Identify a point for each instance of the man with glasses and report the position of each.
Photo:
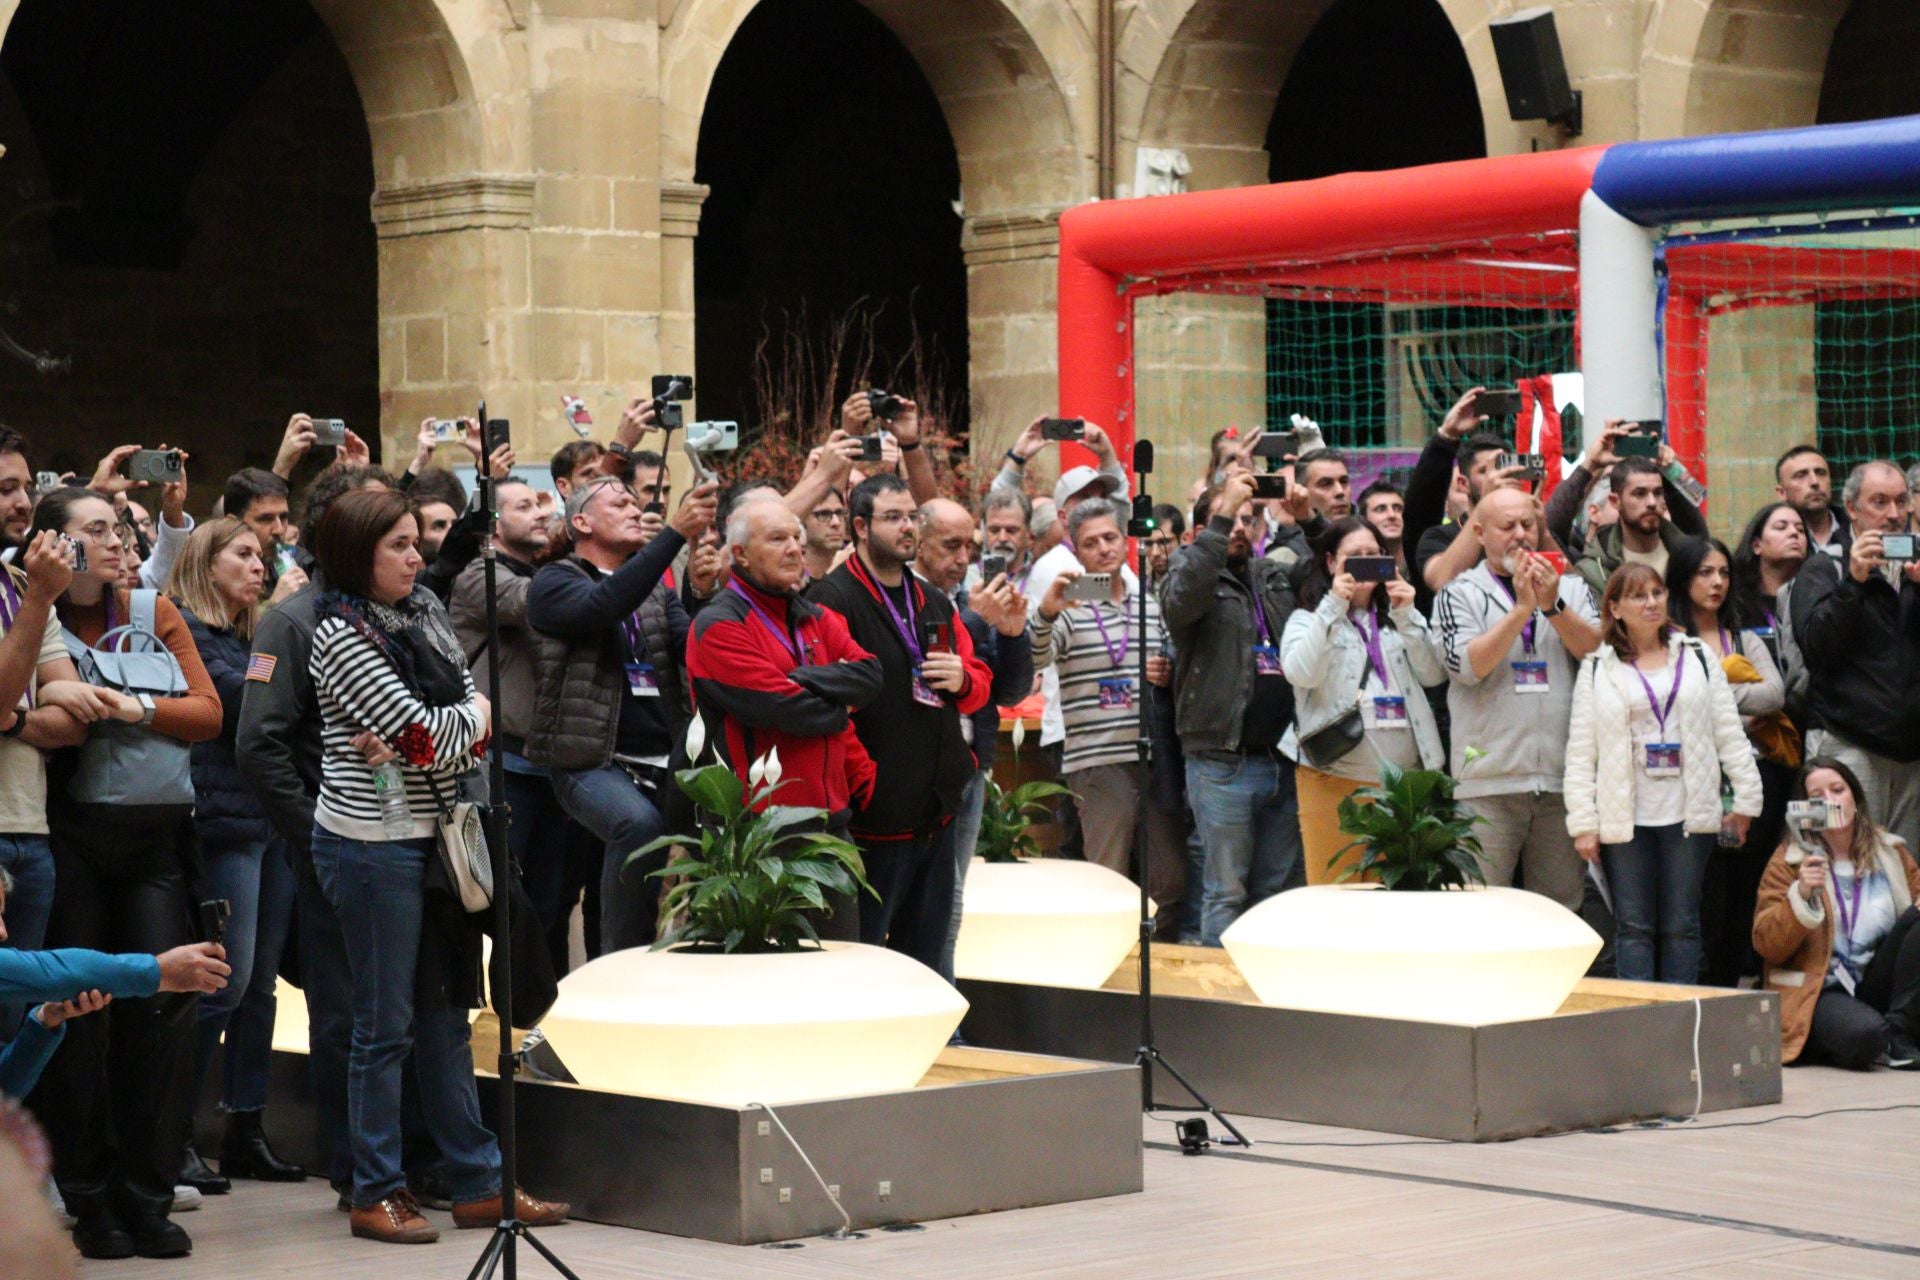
(826, 527)
(1862, 650)
(1169, 535)
(609, 707)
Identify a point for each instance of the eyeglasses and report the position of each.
(890, 517)
(1646, 599)
(829, 515)
(99, 532)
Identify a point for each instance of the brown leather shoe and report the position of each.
(395, 1220)
(475, 1214)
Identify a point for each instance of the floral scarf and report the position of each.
(414, 636)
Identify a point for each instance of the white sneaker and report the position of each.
(185, 1198)
(67, 1220)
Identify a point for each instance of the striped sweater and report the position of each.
(358, 689)
(1073, 644)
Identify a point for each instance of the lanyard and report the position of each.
(1119, 653)
(1773, 620)
(1526, 632)
(1726, 650)
(636, 646)
(9, 601)
(1850, 911)
(909, 634)
(787, 641)
(1660, 713)
(1259, 614)
(1370, 636)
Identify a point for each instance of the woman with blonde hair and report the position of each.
(216, 582)
(1654, 729)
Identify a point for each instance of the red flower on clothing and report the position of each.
(415, 746)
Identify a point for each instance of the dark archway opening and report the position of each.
(185, 197)
(1870, 65)
(1377, 84)
(833, 180)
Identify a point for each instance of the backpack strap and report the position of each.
(142, 606)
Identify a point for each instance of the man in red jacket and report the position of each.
(772, 672)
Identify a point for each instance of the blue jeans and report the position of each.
(256, 879)
(960, 837)
(1249, 819)
(610, 804)
(1655, 879)
(1192, 915)
(378, 890)
(329, 990)
(914, 879)
(29, 860)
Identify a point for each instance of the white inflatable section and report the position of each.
(1051, 921)
(1469, 956)
(733, 1030)
(1619, 305)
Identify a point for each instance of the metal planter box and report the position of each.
(1616, 1051)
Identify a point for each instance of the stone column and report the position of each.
(1012, 330)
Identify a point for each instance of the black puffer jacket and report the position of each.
(224, 810)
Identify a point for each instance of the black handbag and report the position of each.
(1332, 743)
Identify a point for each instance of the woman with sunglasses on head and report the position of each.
(118, 1097)
(1654, 727)
(1835, 928)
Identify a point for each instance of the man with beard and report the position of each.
(930, 680)
(1803, 480)
(1642, 535)
(1512, 633)
(1225, 610)
(1006, 527)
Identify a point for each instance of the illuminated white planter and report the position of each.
(733, 1030)
(1056, 922)
(1472, 956)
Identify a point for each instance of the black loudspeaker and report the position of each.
(1527, 46)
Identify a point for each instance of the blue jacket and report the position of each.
(225, 810)
(60, 975)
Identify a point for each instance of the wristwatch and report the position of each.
(146, 707)
(1016, 459)
(18, 726)
(1559, 607)
(615, 447)
(909, 448)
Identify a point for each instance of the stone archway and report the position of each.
(1024, 153)
(1721, 66)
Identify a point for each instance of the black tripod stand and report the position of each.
(500, 1251)
(1147, 1055)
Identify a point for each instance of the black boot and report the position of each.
(195, 1173)
(99, 1233)
(153, 1235)
(245, 1154)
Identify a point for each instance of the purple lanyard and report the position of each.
(1526, 632)
(9, 601)
(1260, 618)
(766, 620)
(1773, 620)
(1370, 636)
(1025, 578)
(1850, 911)
(1726, 650)
(909, 635)
(1118, 654)
(1660, 713)
(630, 627)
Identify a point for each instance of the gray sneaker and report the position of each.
(185, 1198)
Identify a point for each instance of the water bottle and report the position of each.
(391, 786)
(1728, 838)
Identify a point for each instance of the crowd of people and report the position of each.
(229, 745)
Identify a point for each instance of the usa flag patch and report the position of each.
(261, 667)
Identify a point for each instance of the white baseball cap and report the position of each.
(1077, 478)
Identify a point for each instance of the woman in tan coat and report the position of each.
(1834, 927)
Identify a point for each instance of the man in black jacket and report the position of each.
(995, 615)
(913, 729)
(610, 703)
(1860, 633)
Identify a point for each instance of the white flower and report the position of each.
(1019, 733)
(696, 739)
(772, 771)
(756, 772)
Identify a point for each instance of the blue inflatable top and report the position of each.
(1874, 164)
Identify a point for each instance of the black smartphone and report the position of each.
(654, 509)
(1498, 404)
(1277, 444)
(214, 914)
(672, 386)
(1271, 485)
(1372, 568)
(872, 448)
(497, 434)
(992, 567)
(1637, 446)
(1897, 546)
(1063, 428)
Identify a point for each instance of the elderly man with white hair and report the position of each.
(773, 672)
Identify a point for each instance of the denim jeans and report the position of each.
(610, 804)
(257, 881)
(328, 988)
(378, 890)
(29, 860)
(1249, 819)
(960, 837)
(914, 879)
(1655, 879)
(1192, 905)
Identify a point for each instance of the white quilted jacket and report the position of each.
(1602, 771)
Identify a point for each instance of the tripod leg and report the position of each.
(547, 1253)
(489, 1258)
(1200, 1098)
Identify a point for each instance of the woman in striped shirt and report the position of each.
(394, 691)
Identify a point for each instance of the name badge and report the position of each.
(641, 680)
(1390, 712)
(923, 693)
(1116, 693)
(1530, 677)
(1764, 632)
(1266, 660)
(1663, 760)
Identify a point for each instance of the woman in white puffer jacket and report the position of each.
(1654, 727)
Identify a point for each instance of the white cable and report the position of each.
(846, 1223)
(1699, 1079)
